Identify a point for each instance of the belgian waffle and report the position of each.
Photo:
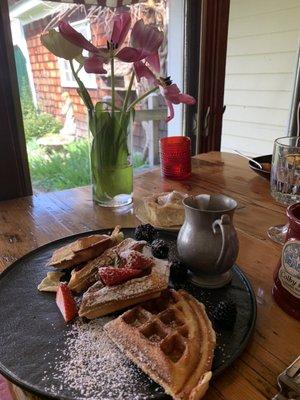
(100, 300)
(171, 339)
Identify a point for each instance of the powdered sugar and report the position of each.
(91, 367)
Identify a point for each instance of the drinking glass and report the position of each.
(285, 179)
(175, 157)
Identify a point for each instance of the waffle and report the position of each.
(171, 339)
(100, 300)
(83, 249)
(85, 277)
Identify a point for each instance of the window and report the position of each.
(66, 77)
(54, 117)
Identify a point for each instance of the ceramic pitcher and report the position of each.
(207, 241)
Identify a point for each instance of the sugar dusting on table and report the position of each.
(91, 366)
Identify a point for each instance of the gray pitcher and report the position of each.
(207, 241)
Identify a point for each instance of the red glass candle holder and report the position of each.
(175, 157)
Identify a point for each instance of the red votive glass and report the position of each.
(175, 157)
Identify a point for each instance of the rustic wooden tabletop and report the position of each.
(27, 223)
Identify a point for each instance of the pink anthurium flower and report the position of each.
(172, 95)
(99, 56)
(145, 41)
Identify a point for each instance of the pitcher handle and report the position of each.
(224, 224)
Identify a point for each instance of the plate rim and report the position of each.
(23, 385)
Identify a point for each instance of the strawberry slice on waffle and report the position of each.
(65, 302)
(112, 276)
(135, 260)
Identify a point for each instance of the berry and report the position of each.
(145, 232)
(225, 313)
(65, 302)
(135, 260)
(112, 276)
(160, 248)
(178, 271)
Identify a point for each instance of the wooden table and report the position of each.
(30, 222)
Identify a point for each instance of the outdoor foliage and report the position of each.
(63, 169)
(36, 123)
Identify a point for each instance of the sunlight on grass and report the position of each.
(65, 168)
(60, 169)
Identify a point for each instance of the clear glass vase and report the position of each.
(111, 163)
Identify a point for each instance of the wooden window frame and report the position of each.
(14, 170)
(206, 48)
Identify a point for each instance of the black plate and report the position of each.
(261, 159)
(32, 327)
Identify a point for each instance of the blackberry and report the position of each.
(145, 232)
(225, 313)
(160, 248)
(178, 271)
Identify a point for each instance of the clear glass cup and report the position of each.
(285, 179)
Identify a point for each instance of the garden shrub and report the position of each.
(36, 122)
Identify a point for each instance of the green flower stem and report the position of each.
(128, 92)
(112, 85)
(83, 93)
(135, 102)
(127, 96)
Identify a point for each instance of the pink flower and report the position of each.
(142, 71)
(99, 56)
(145, 41)
(121, 26)
(172, 95)
(94, 64)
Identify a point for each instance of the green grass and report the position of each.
(63, 169)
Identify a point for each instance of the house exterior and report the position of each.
(51, 78)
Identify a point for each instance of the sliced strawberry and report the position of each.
(135, 260)
(112, 276)
(65, 302)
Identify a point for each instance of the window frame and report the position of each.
(209, 36)
(14, 169)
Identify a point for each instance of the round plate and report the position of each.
(32, 330)
(141, 214)
(262, 172)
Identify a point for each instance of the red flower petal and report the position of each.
(75, 37)
(121, 26)
(94, 65)
(186, 99)
(130, 54)
(171, 111)
(146, 37)
(142, 71)
(153, 61)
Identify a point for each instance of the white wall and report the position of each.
(261, 61)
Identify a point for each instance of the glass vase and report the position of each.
(111, 163)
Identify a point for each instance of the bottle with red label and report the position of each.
(286, 290)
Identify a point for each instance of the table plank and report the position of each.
(33, 221)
